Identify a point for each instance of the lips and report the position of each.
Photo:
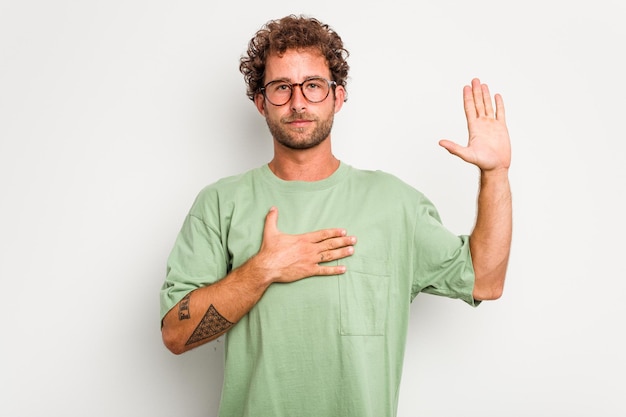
(299, 122)
(302, 118)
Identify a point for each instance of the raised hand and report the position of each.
(288, 258)
(489, 145)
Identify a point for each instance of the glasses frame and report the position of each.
(331, 84)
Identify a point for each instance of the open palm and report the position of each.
(489, 146)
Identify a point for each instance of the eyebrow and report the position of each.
(289, 80)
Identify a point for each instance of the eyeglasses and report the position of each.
(314, 90)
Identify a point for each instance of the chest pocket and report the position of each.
(363, 297)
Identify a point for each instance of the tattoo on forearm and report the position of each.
(183, 308)
(212, 323)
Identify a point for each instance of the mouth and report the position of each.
(298, 123)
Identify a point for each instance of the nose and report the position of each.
(298, 102)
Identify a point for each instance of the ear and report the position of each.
(259, 102)
(340, 97)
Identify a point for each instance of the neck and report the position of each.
(313, 164)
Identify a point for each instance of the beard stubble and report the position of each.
(299, 138)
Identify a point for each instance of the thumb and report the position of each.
(271, 222)
(455, 149)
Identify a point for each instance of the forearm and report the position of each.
(209, 312)
(490, 241)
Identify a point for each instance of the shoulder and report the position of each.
(230, 184)
(384, 182)
(225, 190)
(394, 193)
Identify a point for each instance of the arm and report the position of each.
(208, 312)
(490, 150)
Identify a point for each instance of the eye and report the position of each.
(280, 87)
(315, 84)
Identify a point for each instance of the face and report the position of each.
(299, 124)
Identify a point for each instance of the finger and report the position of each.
(468, 103)
(331, 270)
(487, 100)
(477, 93)
(338, 242)
(500, 113)
(325, 234)
(333, 255)
(479, 97)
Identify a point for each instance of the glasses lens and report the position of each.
(278, 92)
(314, 90)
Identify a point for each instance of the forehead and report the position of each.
(295, 65)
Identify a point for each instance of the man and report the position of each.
(316, 299)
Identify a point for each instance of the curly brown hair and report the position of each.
(292, 32)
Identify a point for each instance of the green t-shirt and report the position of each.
(321, 346)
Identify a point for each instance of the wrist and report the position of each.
(494, 174)
(259, 271)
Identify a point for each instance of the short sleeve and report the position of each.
(442, 261)
(196, 260)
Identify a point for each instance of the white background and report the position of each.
(114, 114)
